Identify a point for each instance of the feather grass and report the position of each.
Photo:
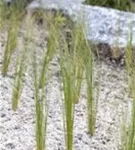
(10, 17)
(85, 56)
(10, 47)
(41, 109)
(71, 74)
(126, 5)
(51, 49)
(21, 67)
(69, 101)
(128, 132)
(75, 62)
(41, 78)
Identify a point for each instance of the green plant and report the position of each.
(72, 70)
(41, 78)
(90, 96)
(76, 62)
(21, 65)
(128, 130)
(130, 60)
(88, 62)
(126, 5)
(10, 47)
(128, 135)
(51, 46)
(68, 88)
(10, 17)
(17, 88)
(84, 53)
(41, 109)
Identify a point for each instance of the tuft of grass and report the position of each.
(76, 63)
(72, 74)
(41, 109)
(90, 96)
(68, 81)
(130, 60)
(88, 63)
(10, 17)
(83, 51)
(51, 45)
(77, 53)
(40, 79)
(69, 103)
(128, 132)
(17, 88)
(21, 66)
(126, 5)
(11, 44)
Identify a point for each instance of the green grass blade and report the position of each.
(41, 109)
(10, 46)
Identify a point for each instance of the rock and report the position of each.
(104, 25)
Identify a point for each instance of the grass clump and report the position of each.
(72, 71)
(91, 101)
(51, 45)
(126, 5)
(128, 136)
(83, 50)
(21, 65)
(40, 108)
(69, 101)
(76, 62)
(40, 79)
(11, 44)
(10, 17)
(92, 97)
(17, 88)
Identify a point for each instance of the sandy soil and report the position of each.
(17, 129)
